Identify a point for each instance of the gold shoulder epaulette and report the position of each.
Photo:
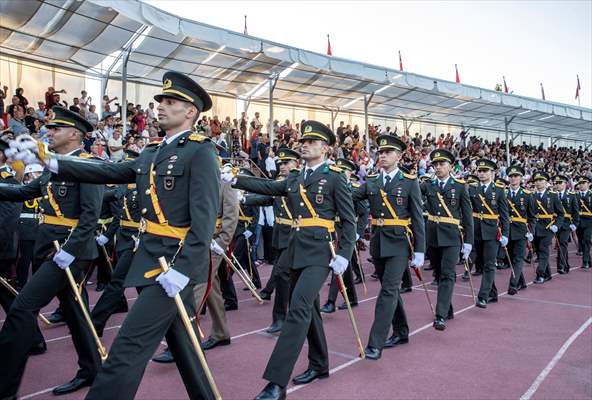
(527, 191)
(500, 186)
(409, 176)
(335, 168)
(297, 170)
(473, 184)
(356, 185)
(196, 137)
(459, 180)
(6, 174)
(372, 176)
(85, 155)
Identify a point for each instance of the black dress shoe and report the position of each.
(72, 386)
(211, 343)
(275, 327)
(492, 300)
(548, 278)
(308, 376)
(586, 266)
(481, 303)
(405, 290)
(56, 318)
(512, 291)
(328, 308)
(372, 353)
(465, 276)
(166, 357)
(358, 280)
(230, 307)
(100, 287)
(343, 306)
(439, 324)
(396, 340)
(523, 286)
(265, 295)
(39, 348)
(272, 392)
(539, 280)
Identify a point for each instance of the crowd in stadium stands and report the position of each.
(247, 138)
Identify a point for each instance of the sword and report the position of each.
(244, 278)
(418, 274)
(12, 290)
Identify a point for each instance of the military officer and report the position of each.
(521, 219)
(549, 215)
(584, 196)
(348, 168)
(491, 223)
(449, 229)
(107, 227)
(70, 211)
(279, 281)
(571, 220)
(315, 195)
(362, 209)
(398, 235)
(178, 195)
(502, 261)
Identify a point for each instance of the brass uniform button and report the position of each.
(144, 210)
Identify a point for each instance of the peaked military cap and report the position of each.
(314, 130)
(286, 154)
(582, 179)
(354, 178)
(471, 178)
(390, 142)
(560, 179)
(442, 155)
(67, 118)
(484, 163)
(515, 170)
(246, 171)
(130, 154)
(179, 86)
(345, 164)
(502, 182)
(540, 175)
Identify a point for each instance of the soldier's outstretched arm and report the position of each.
(258, 200)
(345, 209)
(91, 197)
(417, 221)
(68, 168)
(261, 186)
(17, 192)
(467, 215)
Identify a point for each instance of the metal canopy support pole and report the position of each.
(332, 121)
(367, 101)
(104, 80)
(124, 91)
(506, 125)
(272, 83)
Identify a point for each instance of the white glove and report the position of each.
(417, 261)
(529, 236)
(63, 259)
(247, 234)
(573, 227)
(339, 264)
(466, 250)
(357, 237)
(503, 241)
(226, 174)
(553, 228)
(215, 247)
(102, 240)
(172, 282)
(136, 242)
(240, 197)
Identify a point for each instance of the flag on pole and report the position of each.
(505, 85)
(457, 75)
(245, 31)
(543, 92)
(400, 61)
(578, 87)
(329, 52)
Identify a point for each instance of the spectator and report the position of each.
(11, 108)
(150, 112)
(17, 123)
(75, 107)
(87, 141)
(50, 99)
(92, 116)
(22, 99)
(115, 145)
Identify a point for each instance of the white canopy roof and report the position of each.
(81, 34)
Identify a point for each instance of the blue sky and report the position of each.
(527, 41)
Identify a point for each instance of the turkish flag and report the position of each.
(329, 52)
(457, 75)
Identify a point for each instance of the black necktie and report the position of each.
(309, 172)
(441, 185)
(388, 180)
(513, 195)
(483, 188)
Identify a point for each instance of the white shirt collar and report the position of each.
(485, 184)
(306, 167)
(445, 181)
(72, 152)
(169, 140)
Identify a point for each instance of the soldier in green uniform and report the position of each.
(280, 275)
(315, 196)
(571, 220)
(502, 261)
(362, 209)
(521, 219)
(107, 227)
(69, 215)
(178, 195)
(548, 212)
(584, 196)
(491, 222)
(449, 229)
(397, 225)
(472, 179)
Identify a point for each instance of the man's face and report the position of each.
(484, 175)
(313, 149)
(442, 169)
(59, 137)
(389, 158)
(173, 113)
(15, 100)
(540, 184)
(117, 133)
(18, 112)
(76, 101)
(286, 166)
(515, 180)
(584, 186)
(560, 186)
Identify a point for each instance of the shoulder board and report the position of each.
(373, 176)
(295, 170)
(356, 185)
(462, 181)
(85, 155)
(131, 186)
(196, 137)
(473, 184)
(335, 168)
(500, 186)
(552, 192)
(526, 191)
(571, 192)
(409, 176)
(6, 174)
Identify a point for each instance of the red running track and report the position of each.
(537, 344)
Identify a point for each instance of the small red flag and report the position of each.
(329, 52)
(400, 61)
(578, 87)
(505, 85)
(457, 75)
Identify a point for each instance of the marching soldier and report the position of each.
(178, 195)
(549, 215)
(348, 168)
(315, 196)
(571, 220)
(521, 219)
(362, 209)
(280, 275)
(502, 261)
(491, 224)
(107, 227)
(396, 209)
(584, 197)
(449, 214)
(69, 215)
